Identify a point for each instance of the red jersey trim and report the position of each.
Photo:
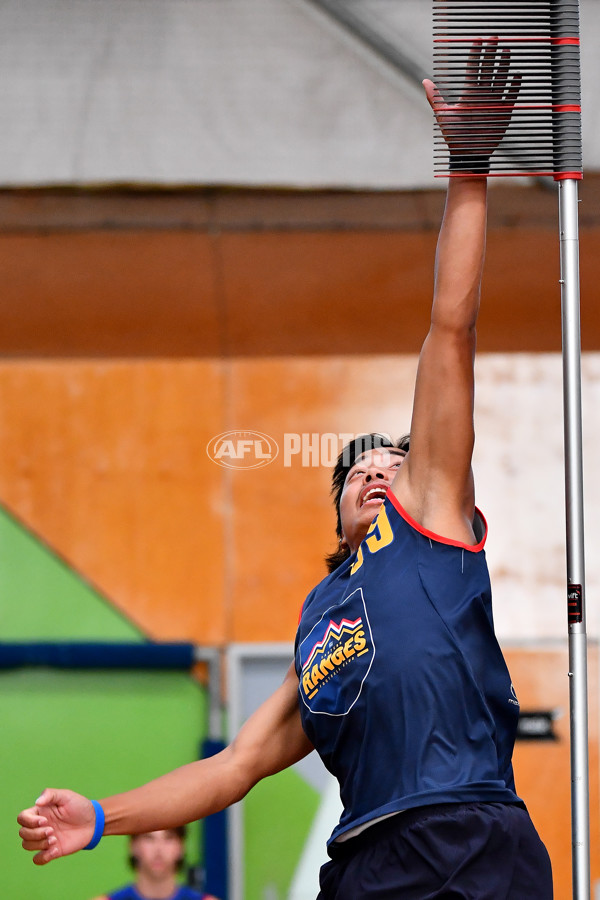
(472, 548)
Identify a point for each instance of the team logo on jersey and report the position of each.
(336, 657)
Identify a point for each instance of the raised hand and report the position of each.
(60, 823)
(475, 125)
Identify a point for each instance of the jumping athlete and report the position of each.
(398, 681)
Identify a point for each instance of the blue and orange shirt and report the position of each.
(403, 689)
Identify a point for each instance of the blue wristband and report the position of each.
(98, 827)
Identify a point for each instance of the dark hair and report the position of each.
(345, 461)
(180, 831)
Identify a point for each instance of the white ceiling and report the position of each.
(239, 92)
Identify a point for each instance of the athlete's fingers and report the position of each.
(31, 818)
(433, 95)
(47, 797)
(514, 88)
(39, 844)
(429, 90)
(46, 856)
(37, 834)
(502, 72)
(488, 62)
(473, 63)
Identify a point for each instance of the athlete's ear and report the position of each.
(343, 543)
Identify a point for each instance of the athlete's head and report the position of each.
(368, 459)
(157, 853)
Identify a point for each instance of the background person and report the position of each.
(157, 857)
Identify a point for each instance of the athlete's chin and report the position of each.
(364, 519)
(369, 511)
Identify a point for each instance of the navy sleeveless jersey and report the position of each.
(403, 689)
(130, 893)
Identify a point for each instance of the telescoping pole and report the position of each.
(543, 139)
(566, 98)
(578, 691)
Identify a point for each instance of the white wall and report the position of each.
(520, 481)
(519, 476)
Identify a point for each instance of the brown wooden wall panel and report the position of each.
(107, 462)
(331, 291)
(267, 274)
(108, 293)
(542, 768)
(189, 294)
(521, 293)
(370, 292)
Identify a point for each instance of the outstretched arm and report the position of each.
(435, 484)
(272, 739)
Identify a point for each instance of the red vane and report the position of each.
(562, 176)
(509, 38)
(517, 106)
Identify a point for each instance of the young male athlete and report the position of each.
(156, 858)
(398, 681)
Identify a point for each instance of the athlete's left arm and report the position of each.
(62, 822)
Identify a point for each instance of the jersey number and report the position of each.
(379, 535)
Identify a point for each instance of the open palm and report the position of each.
(477, 123)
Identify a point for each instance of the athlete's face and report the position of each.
(366, 485)
(157, 853)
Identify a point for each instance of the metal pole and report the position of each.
(212, 657)
(578, 694)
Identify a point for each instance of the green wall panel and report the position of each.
(97, 733)
(278, 814)
(41, 598)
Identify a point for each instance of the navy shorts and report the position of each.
(464, 851)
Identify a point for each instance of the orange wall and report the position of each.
(107, 462)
